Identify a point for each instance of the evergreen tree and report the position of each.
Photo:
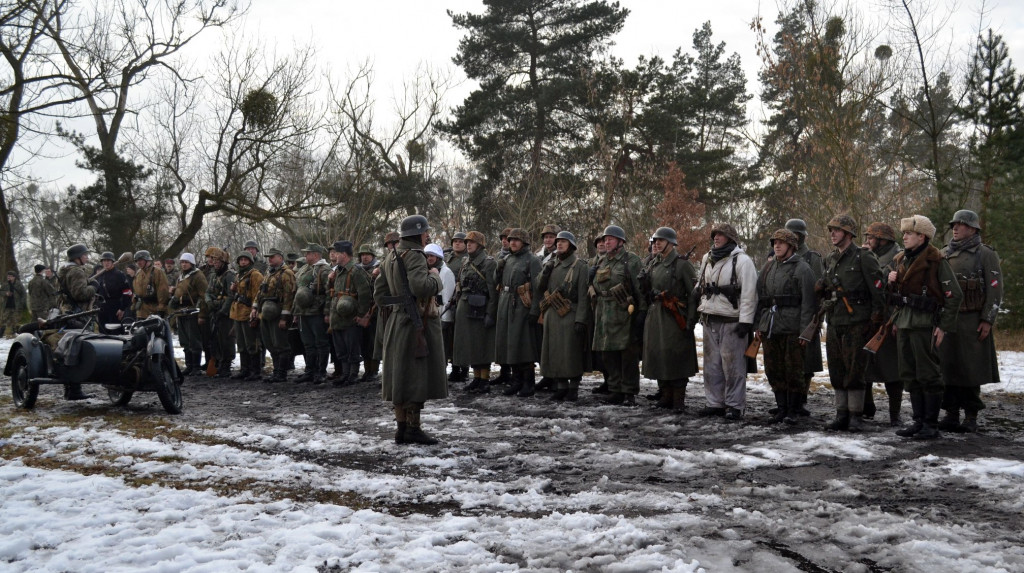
(529, 58)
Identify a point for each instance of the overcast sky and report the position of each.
(399, 35)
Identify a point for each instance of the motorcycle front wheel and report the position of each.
(23, 391)
(166, 388)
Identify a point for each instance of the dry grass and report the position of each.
(1010, 340)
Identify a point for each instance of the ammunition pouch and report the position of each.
(556, 301)
(525, 294)
(730, 292)
(477, 306)
(243, 300)
(621, 295)
(974, 295)
(914, 301)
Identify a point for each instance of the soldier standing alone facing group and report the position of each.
(414, 367)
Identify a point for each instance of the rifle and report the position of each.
(408, 304)
(751, 351)
(671, 304)
(841, 293)
(812, 329)
(55, 322)
(876, 341)
(689, 253)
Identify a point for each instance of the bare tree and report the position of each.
(107, 48)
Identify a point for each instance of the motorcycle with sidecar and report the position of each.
(136, 356)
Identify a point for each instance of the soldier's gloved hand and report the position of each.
(534, 317)
(580, 328)
(876, 318)
(744, 329)
(488, 322)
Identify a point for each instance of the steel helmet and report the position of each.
(967, 217)
(786, 236)
(108, 256)
(567, 236)
(614, 231)
(519, 233)
(414, 226)
(143, 256)
(843, 222)
(881, 231)
(667, 233)
(797, 226)
(77, 251)
(346, 306)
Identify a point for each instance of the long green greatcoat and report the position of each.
(670, 352)
(967, 361)
(812, 360)
(474, 342)
(788, 288)
(407, 378)
(514, 338)
(612, 319)
(883, 366)
(565, 354)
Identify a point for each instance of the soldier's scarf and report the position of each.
(911, 254)
(968, 243)
(719, 253)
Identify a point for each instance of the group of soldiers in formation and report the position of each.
(918, 319)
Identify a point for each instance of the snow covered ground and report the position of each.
(259, 477)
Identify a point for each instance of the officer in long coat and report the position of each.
(619, 314)
(414, 365)
(42, 292)
(515, 342)
(273, 308)
(12, 295)
(882, 365)
(852, 285)
(475, 313)
(455, 259)
(786, 304)
(813, 360)
(390, 241)
(190, 292)
(925, 292)
(670, 349)
(969, 355)
(565, 310)
(217, 314)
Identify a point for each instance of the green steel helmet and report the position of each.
(614, 231)
(108, 256)
(843, 222)
(786, 236)
(366, 249)
(414, 226)
(967, 217)
(303, 297)
(460, 236)
(271, 311)
(143, 256)
(77, 251)
(244, 255)
(252, 244)
(346, 306)
(667, 233)
(550, 230)
(568, 237)
(797, 226)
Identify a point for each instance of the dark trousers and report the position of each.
(623, 370)
(275, 339)
(315, 339)
(966, 398)
(348, 342)
(224, 342)
(847, 359)
(189, 336)
(919, 361)
(784, 363)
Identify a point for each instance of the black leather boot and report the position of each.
(781, 410)
(528, 389)
(930, 429)
(74, 392)
(917, 403)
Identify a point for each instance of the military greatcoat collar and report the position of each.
(567, 261)
(669, 258)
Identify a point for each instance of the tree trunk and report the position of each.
(189, 232)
